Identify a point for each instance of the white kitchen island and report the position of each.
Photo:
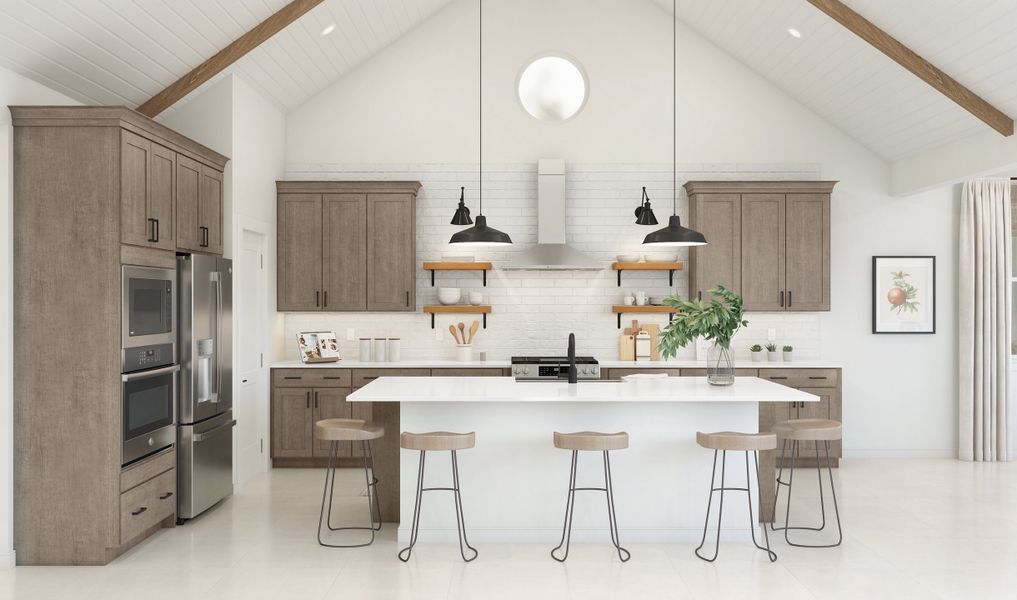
(514, 482)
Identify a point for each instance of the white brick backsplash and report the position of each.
(533, 312)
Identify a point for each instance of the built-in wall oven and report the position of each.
(149, 369)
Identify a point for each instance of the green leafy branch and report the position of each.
(716, 320)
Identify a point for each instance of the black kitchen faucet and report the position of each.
(573, 374)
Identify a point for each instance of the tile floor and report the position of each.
(929, 529)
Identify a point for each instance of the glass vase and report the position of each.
(719, 367)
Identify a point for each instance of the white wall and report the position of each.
(412, 108)
(14, 90)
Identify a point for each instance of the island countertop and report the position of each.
(507, 389)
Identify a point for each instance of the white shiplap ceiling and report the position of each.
(125, 51)
(122, 52)
(854, 86)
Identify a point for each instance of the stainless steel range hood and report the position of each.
(551, 253)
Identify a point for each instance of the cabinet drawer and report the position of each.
(362, 377)
(311, 377)
(145, 505)
(467, 372)
(141, 472)
(702, 372)
(802, 377)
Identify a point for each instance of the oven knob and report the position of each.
(526, 371)
(151, 441)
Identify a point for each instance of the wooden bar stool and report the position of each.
(440, 441)
(796, 431)
(721, 442)
(589, 441)
(349, 430)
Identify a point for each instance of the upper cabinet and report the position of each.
(146, 193)
(767, 240)
(199, 207)
(346, 246)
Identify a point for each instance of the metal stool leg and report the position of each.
(416, 511)
(822, 499)
(566, 530)
(372, 498)
(623, 554)
(460, 520)
(752, 521)
(720, 513)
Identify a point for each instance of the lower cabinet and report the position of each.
(148, 495)
(294, 413)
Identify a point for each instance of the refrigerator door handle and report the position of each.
(215, 277)
(201, 437)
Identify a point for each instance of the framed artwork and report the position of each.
(903, 294)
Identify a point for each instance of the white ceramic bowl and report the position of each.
(628, 258)
(458, 258)
(449, 295)
(476, 298)
(659, 257)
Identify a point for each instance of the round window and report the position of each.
(552, 88)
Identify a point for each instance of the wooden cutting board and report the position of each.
(654, 331)
(627, 347)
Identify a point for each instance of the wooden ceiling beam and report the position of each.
(226, 57)
(923, 69)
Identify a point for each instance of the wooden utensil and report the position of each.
(455, 334)
(462, 331)
(473, 330)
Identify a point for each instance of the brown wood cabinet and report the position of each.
(199, 207)
(87, 181)
(346, 246)
(768, 240)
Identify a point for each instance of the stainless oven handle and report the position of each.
(149, 374)
(201, 437)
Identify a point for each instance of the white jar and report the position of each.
(365, 349)
(379, 349)
(464, 352)
(394, 349)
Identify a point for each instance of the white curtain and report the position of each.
(984, 300)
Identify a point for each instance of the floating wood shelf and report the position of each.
(621, 308)
(670, 267)
(457, 266)
(457, 309)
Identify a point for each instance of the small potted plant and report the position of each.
(789, 352)
(715, 321)
(771, 352)
(757, 352)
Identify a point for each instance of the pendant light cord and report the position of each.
(480, 111)
(674, 118)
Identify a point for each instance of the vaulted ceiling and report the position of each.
(125, 51)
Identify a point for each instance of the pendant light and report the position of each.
(674, 234)
(480, 234)
(462, 214)
(644, 214)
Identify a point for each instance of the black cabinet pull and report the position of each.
(292, 377)
(407, 297)
(789, 298)
(317, 298)
(325, 294)
(135, 513)
(699, 295)
(782, 298)
(329, 377)
(204, 237)
(777, 377)
(166, 495)
(156, 229)
(817, 377)
(308, 396)
(151, 237)
(315, 399)
(370, 378)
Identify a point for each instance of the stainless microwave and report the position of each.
(147, 314)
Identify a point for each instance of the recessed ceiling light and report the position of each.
(329, 29)
(794, 32)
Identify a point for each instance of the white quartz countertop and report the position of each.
(505, 364)
(507, 389)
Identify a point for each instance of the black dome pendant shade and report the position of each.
(462, 214)
(481, 235)
(674, 235)
(644, 214)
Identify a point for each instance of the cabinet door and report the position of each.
(291, 422)
(391, 272)
(808, 252)
(163, 197)
(135, 167)
(298, 240)
(762, 251)
(718, 217)
(330, 403)
(188, 191)
(344, 252)
(210, 219)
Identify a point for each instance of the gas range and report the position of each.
(553, 368)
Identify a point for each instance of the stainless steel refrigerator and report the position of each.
(205, 410)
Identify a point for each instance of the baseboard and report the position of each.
(899, 453)
(8, 560)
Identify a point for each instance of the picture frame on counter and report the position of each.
(318, 346)
(904, 294)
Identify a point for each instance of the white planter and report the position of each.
(773, 356)
(788, 356)
(757, 356)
